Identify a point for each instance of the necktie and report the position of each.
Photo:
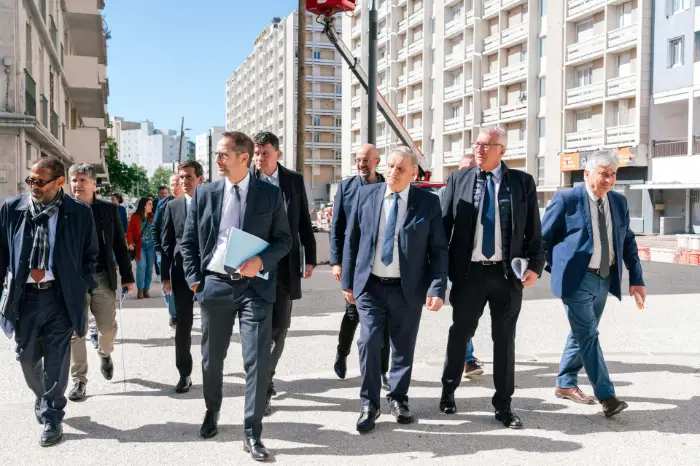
(38, 274)
(388, 246)
(488, 219)
(604, 243)
(237, 202)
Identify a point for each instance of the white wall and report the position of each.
(676, 169)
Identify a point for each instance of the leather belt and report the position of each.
(387, 280)
(41, 286)
(487, 263)
(597, 272)
(228, 277)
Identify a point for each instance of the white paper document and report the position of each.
(242, 246)
(519, 267)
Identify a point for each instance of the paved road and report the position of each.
(654, 359)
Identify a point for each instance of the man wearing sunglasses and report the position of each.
(48, 253)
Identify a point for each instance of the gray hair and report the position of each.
(498, 131)
(83, 169)
(406, 152)
(602, 158)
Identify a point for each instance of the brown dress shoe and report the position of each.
(613, 406)
(574, 394)
(139, 294)
(146, 294)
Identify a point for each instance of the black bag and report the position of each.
(132, 253)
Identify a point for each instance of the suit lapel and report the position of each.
(411, 206)
(378, 208)
(471, 183)
(515, 200)
(612, 203)
(181, 214)
(250, 201)
(217, 196)
(285, 186)
(586, 209)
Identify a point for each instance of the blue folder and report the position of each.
(242, 246)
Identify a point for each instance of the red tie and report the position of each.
(38, 274)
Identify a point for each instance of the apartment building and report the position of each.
(54, 87)
(562, 78)
(204, 151)
(261, 96)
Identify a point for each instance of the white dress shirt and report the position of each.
(593, 202)
(48, 274)
(477, 254)
(188, 202)
(273, 179)
(229, 216)
(378, 268)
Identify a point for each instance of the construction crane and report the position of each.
(326, 10)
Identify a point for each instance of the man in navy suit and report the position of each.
(366, 161)
(48, 253)
(586, 236)
(238, 201)
(394, 261)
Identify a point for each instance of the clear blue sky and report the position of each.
(171, 58)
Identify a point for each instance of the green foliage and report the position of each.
(123, 178)
(161, 177)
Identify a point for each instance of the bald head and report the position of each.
(366, 161)
(467, 161)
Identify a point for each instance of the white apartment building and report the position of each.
(145, 146)
(261, 96)
(204, 150)
(54, 85)
(561, 77)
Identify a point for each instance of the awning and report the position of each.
(666, 186)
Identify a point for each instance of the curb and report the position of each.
(670, 256)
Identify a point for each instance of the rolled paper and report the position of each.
(639, 300)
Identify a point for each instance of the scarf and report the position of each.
(39, 216)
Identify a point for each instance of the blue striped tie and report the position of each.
(388, 246)
(488, 219)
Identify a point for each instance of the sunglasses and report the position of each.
(40, 183)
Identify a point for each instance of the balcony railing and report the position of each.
(29, 94)
(586, 49)
(622, 36)
(492, 43)
(516, 150)
(416, 17)
(44, 111)
(54, 124)
(468, 86)
(454, 26)
(355, 31)
(490, 79)
(469, 119)
(514, 72)
(383, 139)
(457, 56)
(621, 135)
(514, 112)
(453, 124)
(401, 108)
(452, 157)
(415, 75)
(468, 51)
(577, 7)
(416, 132)
(470, 17)
(355, 124)
(402, 80)
(402, 53)
(403, 24)
(454, 91)
(416, 46)
(675, 148)
(514, 34)
(490, 115)
(491, 6)
(622, 85)
(415, 104)
(588, 139)
(585, 94)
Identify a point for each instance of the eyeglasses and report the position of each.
(486, 146)
(40, 183)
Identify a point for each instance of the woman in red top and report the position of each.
(140, 240)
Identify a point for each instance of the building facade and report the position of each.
(204, 151)
(261, 96)
(54, 87)
(562, 78)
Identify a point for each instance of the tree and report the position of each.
(161, 177)
(120, 179)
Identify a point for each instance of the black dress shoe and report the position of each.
(385, 383)
(509, 419)
(78, 392)
(340, 367)
(365, 423)
(52, 434)
(613, 406)
(447, 402)
(172, 322)
(210, 425)
(37, 408)
(107, 368)
(401, 412)
(257, 450)
(183, 385)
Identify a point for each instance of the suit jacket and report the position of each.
(264, 217)
(568, 241)
(171, 238)
(157, 225)
(342, 208)
(297, 208)
(109, 228)
(74, 258)
(422, 244)
(460, 214)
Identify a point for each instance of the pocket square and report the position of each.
(420, 221)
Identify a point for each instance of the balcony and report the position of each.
(54, 124)
(87, 83)
(83, 144)
(416, 132)
(625, 135)
(415, 76)
(402, 54)
(468, 86)
(623, 37)
(452, 157)
(513, 73)
(622, 86)
(589, 139)
(470, 18)
(355, 124)
(416, 18)
(355, 31)
(454, 58)
(468, 51)
(514, 34)
(491, 7)
(491, 43)
(415, 104)
(469, 119)
(454, 124)
(321, 145)
(382, 62)
(403, 24)
(383, 88)
(516, 150)
(585, 94)
(489, 116)
(513, 112)
(383, 140)
(29, 95)
(490, 79)
(382, 36)
(454, 91)
(416, 47)
(454, 26)
(401, 108)
(85, 24)
(586, 50)
(577, 8)
(402, 80)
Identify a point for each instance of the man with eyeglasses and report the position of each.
(366, 161)
(48, 253)
(491, 216)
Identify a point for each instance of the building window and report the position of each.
(675, 52)
(317, 121)
(541, 127)
(543, 7)
(697, 46)
(540, 171)
(317, 55)
(676, 6)
(584, 77)
(543, 87)
(316, 137)
(543, 47)
(338, 122)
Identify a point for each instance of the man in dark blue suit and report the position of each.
(48, 253)
(586, 236)
(394, 261)
(366, 161)
(238, 201)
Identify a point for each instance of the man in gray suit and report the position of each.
(238, 201)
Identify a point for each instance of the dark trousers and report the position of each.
(184, 310)
(221, 301)
(383, 307)
(348, 325)
(281, 320)
(43, 338)
(484, 284)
